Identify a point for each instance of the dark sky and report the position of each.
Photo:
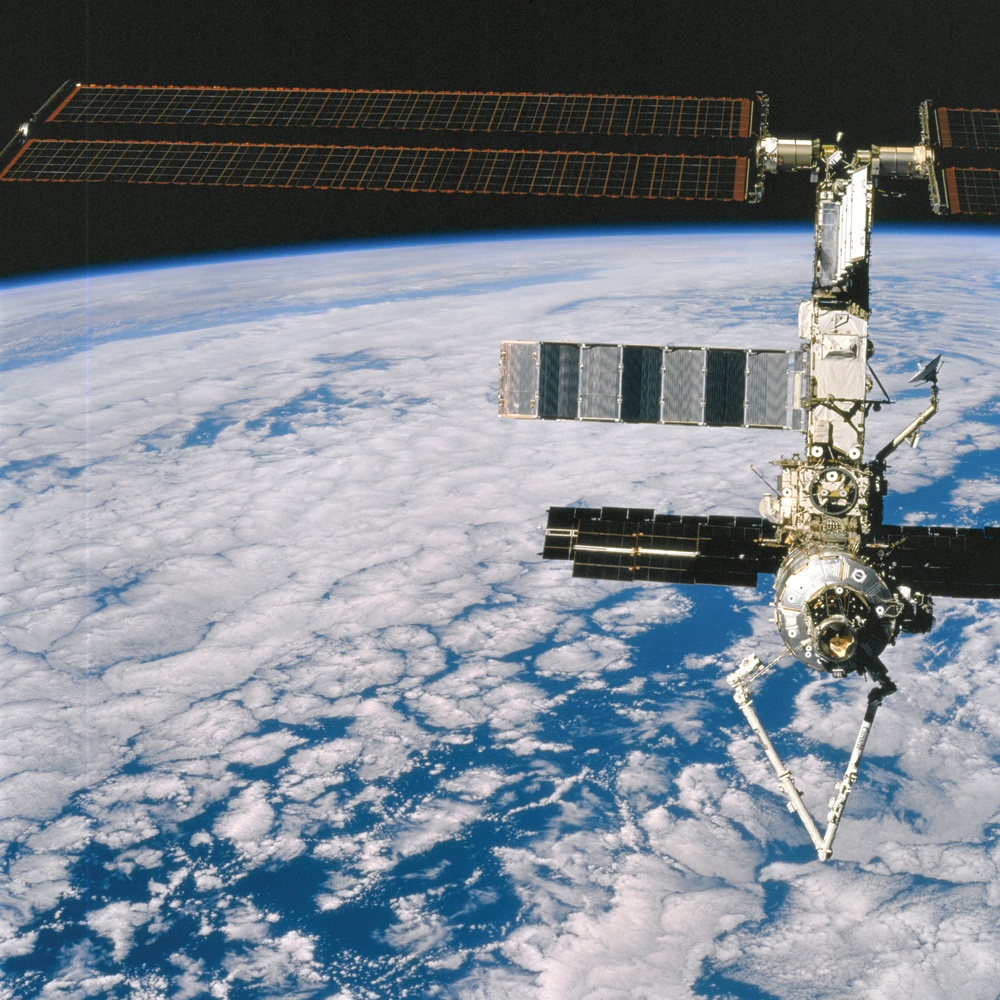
(863, 74)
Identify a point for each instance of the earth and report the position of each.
(292, 707)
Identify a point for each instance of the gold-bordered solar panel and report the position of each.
(575, 114)
(972, 190)
(967, 128)
(382, 168)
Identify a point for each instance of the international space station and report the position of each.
(846, 585)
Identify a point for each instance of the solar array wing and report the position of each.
(454, 111)
(942, 562)
(599, 146)
(970, 190)
(633, 383)
(965, 128)
(636, 545)
(381, 168)
(965, 143)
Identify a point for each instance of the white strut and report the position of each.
(750, 669)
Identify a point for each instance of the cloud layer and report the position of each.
(291, 706)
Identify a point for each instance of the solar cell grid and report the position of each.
(968, 128)
(632, 544)
(640, 384)
(378, 168)
(944, 561)
(973, 191)
(390, 109)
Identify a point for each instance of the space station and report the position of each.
(846, 585)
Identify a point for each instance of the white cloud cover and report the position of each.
(270, 599)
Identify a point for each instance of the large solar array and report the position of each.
(577, 114)
(972, 190)
(577, 145)
(383, 168)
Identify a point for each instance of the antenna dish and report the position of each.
(929, 372)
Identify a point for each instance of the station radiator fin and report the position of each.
(630, 383)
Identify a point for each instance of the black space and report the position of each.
(858, 69)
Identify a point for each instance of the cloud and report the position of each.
(273, 612)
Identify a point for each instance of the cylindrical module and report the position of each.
(834, 612)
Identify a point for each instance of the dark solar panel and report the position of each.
(967, 128)
(382, 168)
(609, 514)
(581, 114)
(642, 378)
(972, 190)
(634, 545)
(725, 388)
(942, 562)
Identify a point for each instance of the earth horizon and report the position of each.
(292, 707)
